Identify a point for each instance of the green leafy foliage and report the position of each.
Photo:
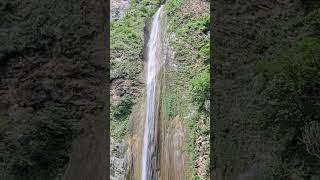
(121, 110)
(7, 8)
(172, 5)
(40, 148)
(127, 33)
(291, 84)
(127, 39)
(191, 30)
(313, 18)
(201, 23)
(169, 105)
(119, 129)
(200, 87)
(127, 42)
(187, 86)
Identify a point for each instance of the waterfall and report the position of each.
(153, 51)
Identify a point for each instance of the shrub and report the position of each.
(313, 18)
(204, 52)
(119, 129)
(290, 84)
(41, 147)
(122, 109)
(200, 87)
(172, 5)
(201, 23)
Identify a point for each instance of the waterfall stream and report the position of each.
(153, 51)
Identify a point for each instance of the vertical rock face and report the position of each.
(169, 142)
(128, 82)
(52, 90)
(244, 33)
(166, 159)
(89, 149)
(172, 159)
(118, 8)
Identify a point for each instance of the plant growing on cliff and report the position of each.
(291, 85)
(189, 39)
(127, 42)
(313, 19)
(121, 110)
(200, 87)
(40, 148)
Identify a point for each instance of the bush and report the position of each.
(290, 84)
(7, 8)
(313, 18)
(120, 116)
(41, 147)
(200, 87)
(122, 109)
(172, 5)
(119, 129)
(201, 23)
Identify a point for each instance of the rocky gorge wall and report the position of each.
(182, 123)
(171, 159)
(129, 36)
(52, 90)
(247, 33)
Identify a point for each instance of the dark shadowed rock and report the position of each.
(53, 88)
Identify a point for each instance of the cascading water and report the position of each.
(153, 57)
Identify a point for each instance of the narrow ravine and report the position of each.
(154, 57)
(160, 130)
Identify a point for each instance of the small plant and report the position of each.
(172, 5)
(201, 23)
(120, 116)
(313, 18)
(200, 87)
(122, 109)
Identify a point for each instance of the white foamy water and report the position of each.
(153, 51)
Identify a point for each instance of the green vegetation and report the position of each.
(168, 104)
(120, 115)
(48, 84)
(127, 42)
(7, 8)
(38, 150)
(187, 86)
(200, 87)
(290, 84)
(313, 18)
(127, 33)
(121, 110)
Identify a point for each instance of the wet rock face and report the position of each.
(50, 63)
(173, 158)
